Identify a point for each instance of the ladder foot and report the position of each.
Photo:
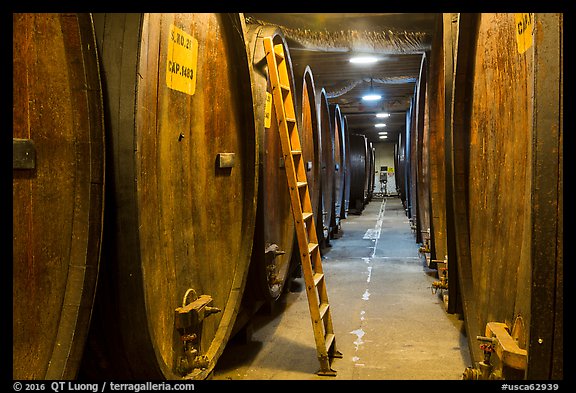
(327, 373)
(326, 363)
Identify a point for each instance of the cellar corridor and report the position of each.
(389, 324)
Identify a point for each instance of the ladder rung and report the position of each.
(278, 51)
(296, 152)
(301, 184)
(312, 247)
(329, 339)
(284, 87)
(317, 278)
(290, 119)
(323, 309)
(307, 215)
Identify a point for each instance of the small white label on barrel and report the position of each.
(524, 31)
(268, 110)
(181, 61)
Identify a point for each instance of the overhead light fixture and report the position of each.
(363, 59)
(371, 96)
(382, 114)
(383, 136)
(379, 125)
(383, 133)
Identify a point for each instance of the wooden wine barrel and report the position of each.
(311, 144)
(408, 177)
(422, 160)
(275, 232)
(439, 101)
(395, 155)
(371, 171)
(439, 91)
(436, 96)
(309, 131)
(400, 167)
(358, 173)
(327, 173)
(416, 106)
(368, 163)
(337, 121)
(58, 191)
(507, 158)
(181, 208)
(346, 194)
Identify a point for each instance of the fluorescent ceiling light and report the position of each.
(383, 133)
(382, 114)
(383, 136)
(363, 60)
(372, 97)
(379, 125)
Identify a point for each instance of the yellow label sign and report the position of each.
(524, 31)
(182, 61)
(268, 110)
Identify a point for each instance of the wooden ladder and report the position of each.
(302, 208)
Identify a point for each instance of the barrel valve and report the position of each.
(484, 369)
(188, 320)
(443, 283)
(425, 248)
(413, 224)
(273, 250)
(270, 254)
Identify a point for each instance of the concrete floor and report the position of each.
(388, 323)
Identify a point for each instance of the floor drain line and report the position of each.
(378, 226)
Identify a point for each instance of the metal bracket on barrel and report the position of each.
(188, 320)
(23, 154)
(225, 160)
(505, 345)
